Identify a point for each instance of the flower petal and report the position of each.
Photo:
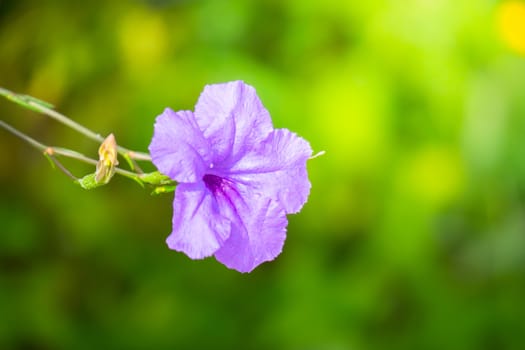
(258, 230)
(232, 118)
(198, 227)
(278, 169)
(178, 148)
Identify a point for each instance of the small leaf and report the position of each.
(37, 101)
(18, 99)
(89, 182)
(26, 101)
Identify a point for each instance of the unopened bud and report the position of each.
(107, 160)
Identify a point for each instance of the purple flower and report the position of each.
(237, 176)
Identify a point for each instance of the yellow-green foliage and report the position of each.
(414, 233)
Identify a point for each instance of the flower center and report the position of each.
(223, 189)
(213, 182)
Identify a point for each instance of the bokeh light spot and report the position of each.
(435, 175)
(143, 39)
(511, 25)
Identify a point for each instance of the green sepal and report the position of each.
(137, 180)
(50, 160)
(129, 161)
(163, 189)
(89, 182)
(156, 178)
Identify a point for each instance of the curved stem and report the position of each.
(88, 133)
(46, 109)
(31, 141)
(52, 151)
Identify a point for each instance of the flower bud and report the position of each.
(107, 162)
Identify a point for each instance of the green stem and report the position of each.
(52, 151)
(31, 141)
(44, 108)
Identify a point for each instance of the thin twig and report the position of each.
(51, 152)
(62, 168)
(31, 141)
(42, 107)
(86, 132)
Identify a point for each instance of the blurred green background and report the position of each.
(414, 233)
